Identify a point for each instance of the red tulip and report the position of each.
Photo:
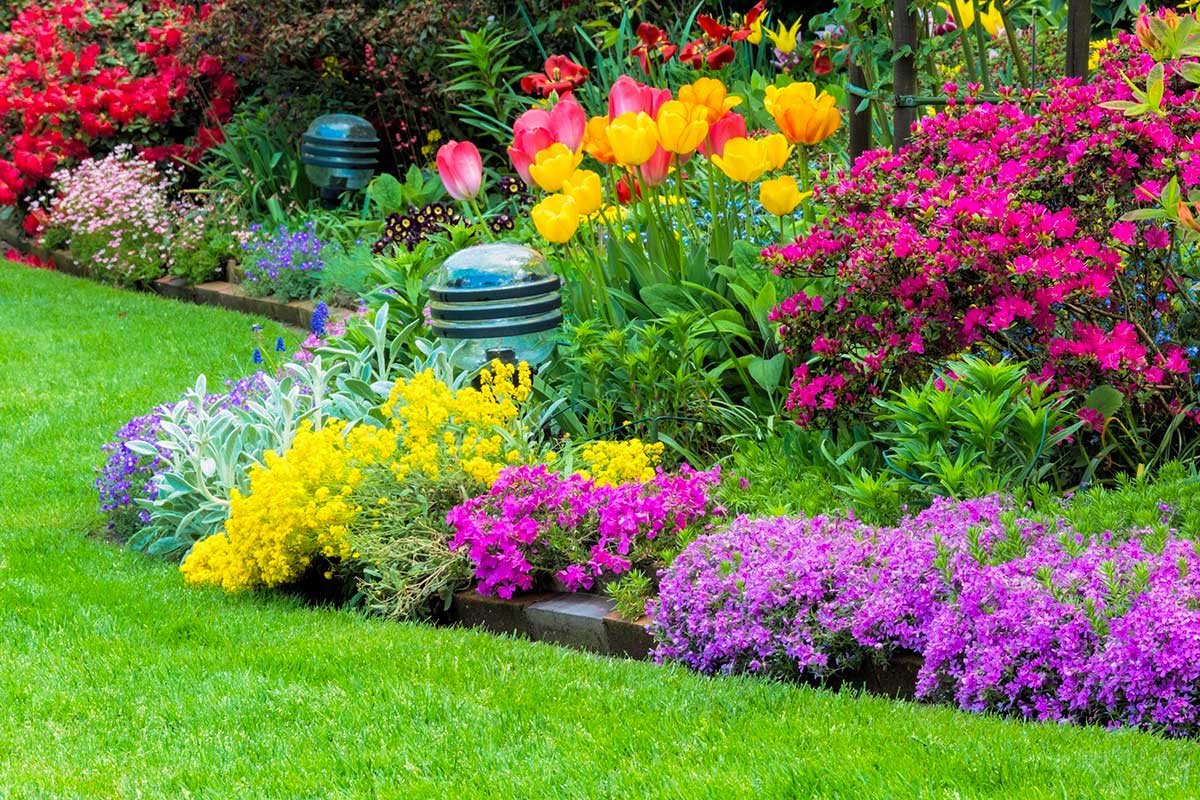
(461, 169)
(654, 40)
(562, 75)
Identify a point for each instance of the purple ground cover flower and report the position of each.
(1012, 615)
(534, 521)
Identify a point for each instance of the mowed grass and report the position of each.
(118, 681)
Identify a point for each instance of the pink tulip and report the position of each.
(536, 129)
(730, 126)
(567, 122)
(531, 135)
(461, 169)
(628, 95)
(656, 169)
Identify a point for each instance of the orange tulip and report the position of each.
(802, 115)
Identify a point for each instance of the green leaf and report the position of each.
(767, 371)
(387, 193)
(1106, 400)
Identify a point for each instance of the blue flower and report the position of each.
(319, 318)
(256, 328)
(258, 356)
(280, 347)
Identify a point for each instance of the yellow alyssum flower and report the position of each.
(777, 149)
(785, 39)
(712, 95)
(780, 196)
(554, 165)
(682, 127)
(744, 160)
(585, 188)
(633, 137)
(556, 218)
(614, 462)
(298, 508)
(802, 115)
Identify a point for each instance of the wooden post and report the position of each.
(1079, 37)
(904, 70)
(860, 121)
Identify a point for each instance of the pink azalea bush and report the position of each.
(536, 522)
(1013, 615)
(999, 231)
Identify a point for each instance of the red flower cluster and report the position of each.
(715, 47)
(654, 42)
(73, 72)
(562, 75)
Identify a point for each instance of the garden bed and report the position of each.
(223, 294)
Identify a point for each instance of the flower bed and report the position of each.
(1016, 615)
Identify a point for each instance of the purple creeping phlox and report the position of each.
(998, 231)
(1011, 615)
(536, 521)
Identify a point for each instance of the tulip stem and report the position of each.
(968, 57)
(806, 183)
(472, 205)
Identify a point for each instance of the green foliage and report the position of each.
(1169, 499)
(777, 473)
(404, 560)
(256, 172)
(204, 255)
(977, 429)
(484, 82)
(631, 592)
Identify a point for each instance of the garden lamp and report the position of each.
(340, 152)
(497, 301)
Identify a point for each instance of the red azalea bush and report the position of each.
(78, 76)
(999, 230)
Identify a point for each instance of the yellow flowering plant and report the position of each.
(308, 503)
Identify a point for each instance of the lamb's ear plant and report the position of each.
(210, 447)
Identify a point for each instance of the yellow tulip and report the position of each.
(595, 141)
(552, 166)
(802, 115)
(634, 138)
(744, 160)
(682, 127)
(710, 93)
(785, 39)
(966, 12)
(781, 195)
(556, 218)
(777, 149)
(585, 189)
(991, 21)
(756, 29)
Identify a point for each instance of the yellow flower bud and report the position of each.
(785, 39)
(682, 127)
(634, 138)
(556, 218)
(780, 196)
(583, 186)
(553, 165)
(744, 160)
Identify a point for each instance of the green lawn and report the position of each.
(117, 681)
